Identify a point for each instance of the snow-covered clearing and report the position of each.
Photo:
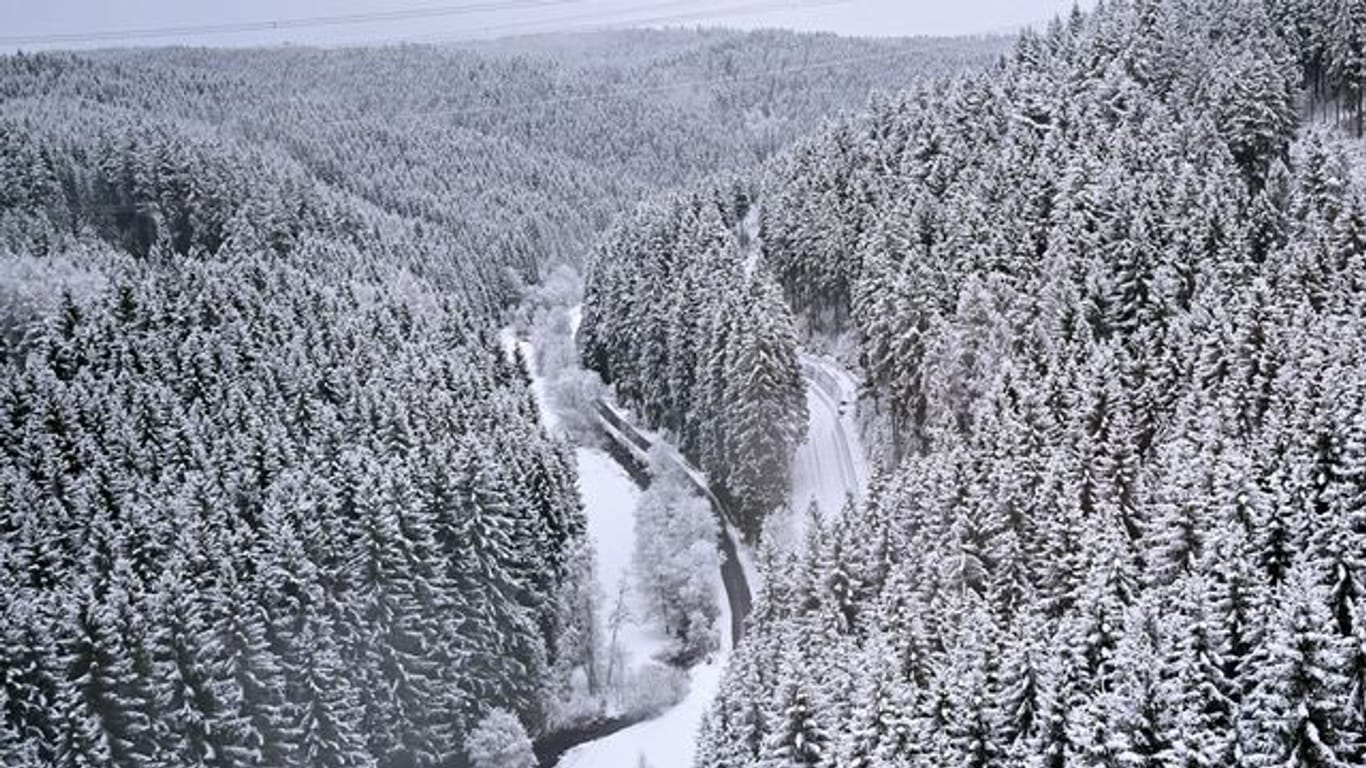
(575, 318)
(749, 233)
(668, 741)
(609, 499)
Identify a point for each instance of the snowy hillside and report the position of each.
(1108, 304)
(684, 398)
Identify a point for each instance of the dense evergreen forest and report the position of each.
(270, 493)
(1108, 301)
(686, 324)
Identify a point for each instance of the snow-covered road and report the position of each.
(831, 465)
(828, 467)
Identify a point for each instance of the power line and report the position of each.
(293, 23)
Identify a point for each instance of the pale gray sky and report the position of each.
(32, 24)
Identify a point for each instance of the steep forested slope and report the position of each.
(1110, 312)
(268, 498)
(248, 531)
(691, 331)
(269, 493)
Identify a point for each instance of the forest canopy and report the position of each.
(1107, 300)
(270, 491)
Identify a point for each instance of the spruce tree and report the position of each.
(1301, 687)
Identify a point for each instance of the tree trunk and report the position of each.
(1361, 108)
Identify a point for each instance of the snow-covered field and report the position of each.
(609, 500)
(668, 741)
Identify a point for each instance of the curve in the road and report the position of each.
(637, 445)
(827, 386)
(738, 593)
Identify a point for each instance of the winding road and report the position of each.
(619, 428)
(829, 467)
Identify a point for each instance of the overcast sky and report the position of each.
(90, 23)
